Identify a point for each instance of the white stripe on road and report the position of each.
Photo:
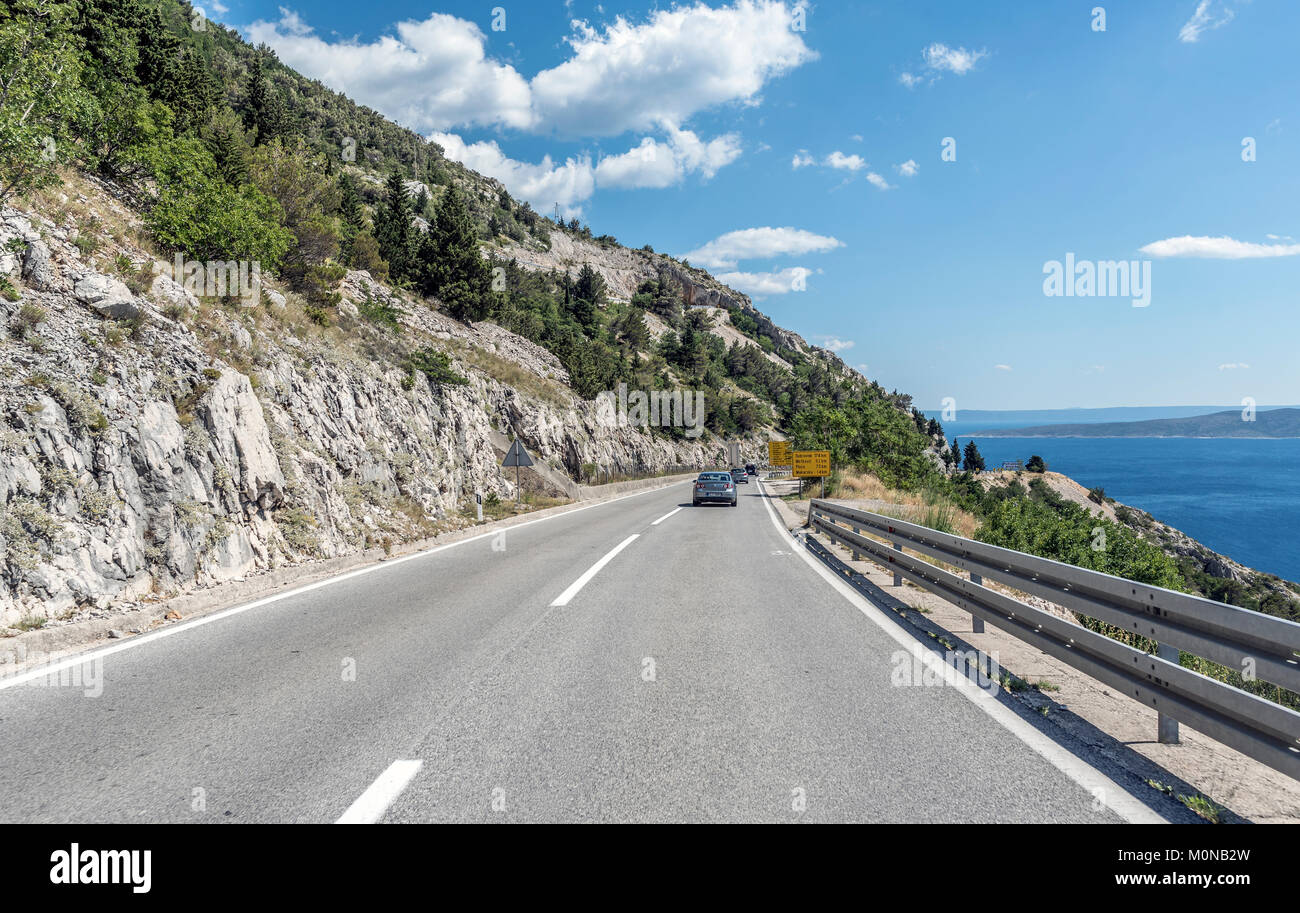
(77, 659)
(1105, 791)
(665, 516)
(563, 598)
(371, 804)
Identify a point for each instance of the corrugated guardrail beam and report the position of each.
(1235, 637)
(1260, 728)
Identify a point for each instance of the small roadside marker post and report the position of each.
(478, 501)
(517, 456)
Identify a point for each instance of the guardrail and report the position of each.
(1252, 643)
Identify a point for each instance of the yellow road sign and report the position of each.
(778, 453)
(811, 464)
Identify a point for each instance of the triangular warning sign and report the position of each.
(517, 456)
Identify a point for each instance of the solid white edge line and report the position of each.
(1103, 788)
(77, 659)
(371, 804)
(563, 598)
(665, 516)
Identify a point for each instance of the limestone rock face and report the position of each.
(108, 296)
(186, 453)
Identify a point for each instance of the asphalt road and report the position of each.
(705, 672)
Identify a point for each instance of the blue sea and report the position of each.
(1239, 497)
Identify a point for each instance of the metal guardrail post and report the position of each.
(976, 623)
(856, 556)
(898, 576)
(1167, 726)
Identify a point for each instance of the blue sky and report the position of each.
(796, 151)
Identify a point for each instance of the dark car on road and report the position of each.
(714, 486)
(751, 469)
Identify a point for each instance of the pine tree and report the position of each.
(452, 267)
(973, 461)
(228, 152)
(263, 108)
(393, 228)
(351, 214)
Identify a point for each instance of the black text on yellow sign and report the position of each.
(778, 453)
(811, 464)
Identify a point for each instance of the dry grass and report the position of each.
(508, 372)
(927, 508)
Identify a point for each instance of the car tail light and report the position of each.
(700, 486)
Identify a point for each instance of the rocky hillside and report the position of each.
(154, 441)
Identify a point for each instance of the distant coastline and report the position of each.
(1272, 424)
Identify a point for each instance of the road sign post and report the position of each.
(478, 502)
(811, 464)
(517, 456)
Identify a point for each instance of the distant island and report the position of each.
(1273, 423)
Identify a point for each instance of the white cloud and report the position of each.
(1273, 237)
(693, 154)
(542, 184)
(908, 169)
(1232, 366)
(680, 61)
(842, 162)
(431, 75)
(651, 163)
(835, 344)
(1003, 367)
(656, 164)
(760, 244)
(960, 61)
(857, 137)
(939, 59)
(436, 74)
(839, 161)
(1222, 248)
(1209, 15)
(780, 282)
(219, 8)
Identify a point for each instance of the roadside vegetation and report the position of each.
(1036, 520)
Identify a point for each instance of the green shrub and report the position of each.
(28, 318)
(434, 365)
(381, 312)
(298, 527)
(82, 411)
(99, 505)
(27, 528)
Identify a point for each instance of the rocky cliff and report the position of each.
(152, 441)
